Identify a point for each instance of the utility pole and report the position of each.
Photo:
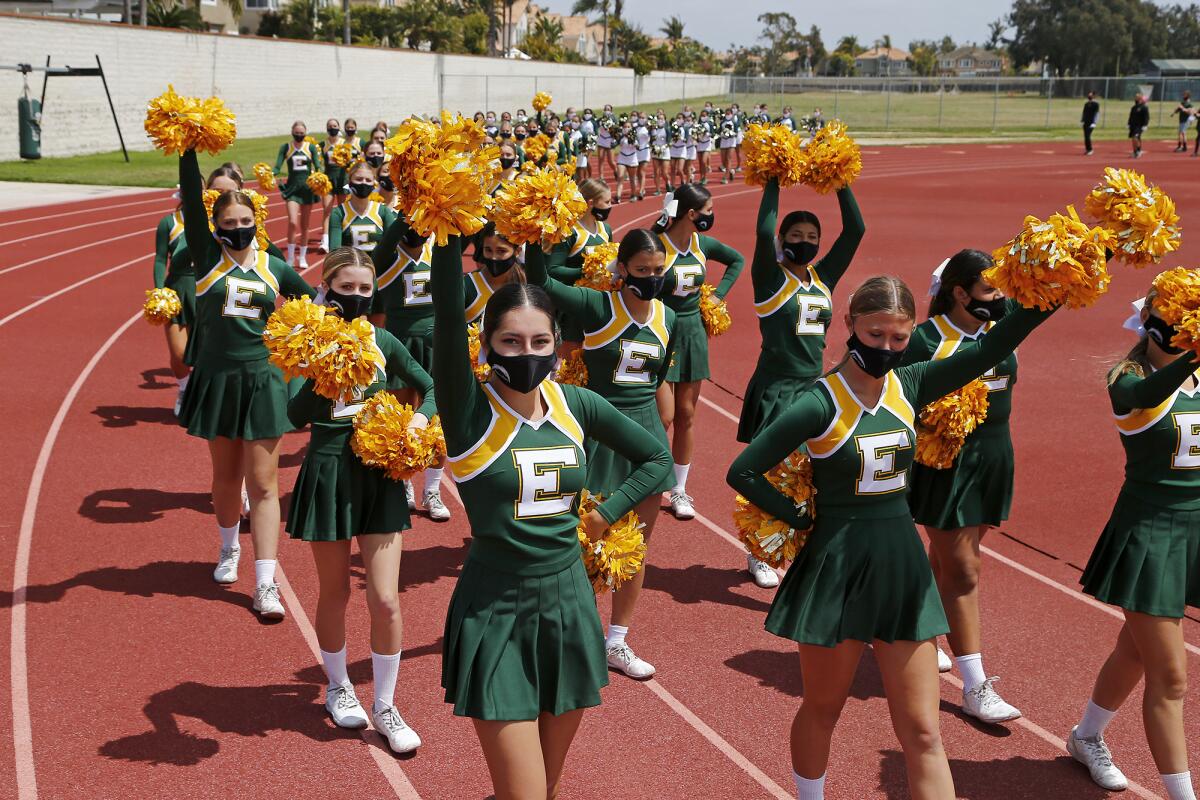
(346, 22)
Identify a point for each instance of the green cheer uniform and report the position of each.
(476, 293)
(686, 273)
(337, 175)
(303, 159)
(626, 362)
(234, 391)
(1147, 558)
(336, 496)
(793, 314)
(181, 276)
(167, 237)
(522, 632)
(565, 263)
(362, 231)
(977, 488)
(402, 293)
(863, 573)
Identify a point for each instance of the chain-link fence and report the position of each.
(498, 92)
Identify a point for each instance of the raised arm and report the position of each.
(585, 304)
(291, 284)
(722, 253)
(453, 376)
(401, 365)
(195, 217)
(833, 266)
(651, 462)
(1129, 391)
(385, 252)
(162, 246)
(557, 264)
(764, 267)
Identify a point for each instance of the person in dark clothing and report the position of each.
(1139, 120)
(1091, 112)
(1185, 112)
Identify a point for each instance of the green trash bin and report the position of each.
(29, 126)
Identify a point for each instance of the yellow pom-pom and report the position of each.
(261, 212)
(377, 198)
(178, 124)
(773, 151)
(834, 160)
(572, 370)
(538, 207)
(1057, 262)
(161, 306)
(618, 555)
(347, 357)
(535, 148)
(473, 347)
(265, 176)
(714, 313)
(1140, 216)
(290, 336)
(1177, 302)
(541, 101)
(769, 539)
(383, 440)
(341, 154)
(596, 274)
(319, 183)
(946, 423)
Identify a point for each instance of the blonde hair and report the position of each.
(882, 294)
(231, 198)
(1137, 360)
(592, 188)
(341, 258)
(357, 167)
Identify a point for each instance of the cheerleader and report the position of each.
(678, 144)
(1147, 559)
(689, 213)
(350, 126)
(862, 577)
(587, 151)
(508, 165)
(337, 177)
(641, 132)
(565, 261)
(743, 122)
(703, 136)
(375, 157)
(627, 161)
(957, 505)
(793, 300)
(728, 140)
(303, 158)
(606, 139)
(498, 262)
(523, 597)
(235, 398)
(660, 153)
(338, 500)
(689, 156)
(360, 221)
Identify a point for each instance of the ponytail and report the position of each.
(688, 197)
(964, 268)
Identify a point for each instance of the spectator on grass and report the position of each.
(1091, 112)
(1139, 120)
(1185, 113)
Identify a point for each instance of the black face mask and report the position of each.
(601, 214)
(505, 134)
(988, 310)
(521, 137)
(351, 132)
(374, 161)
(236, 238)
(704, 222)
(646, 287)
(874, 361)
(497, 266)
(1161, 334)
(348, 306)
(522, 373)
(362, 190)
(799, 253)
(411, 239)
(299, 137)
(507, 163)
(333, 132)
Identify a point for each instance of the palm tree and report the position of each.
(550, 30)
(672, 28)
(598, 7)
(886, 41)
(174, 15)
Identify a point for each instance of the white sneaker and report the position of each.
(342, 704)
(944, 662)
(435, 507)
(324, 248)
(762, 572)
(303, 263)
(986, 705)
(411, 495)
(245, 502)
(681, 505)
(266, 601)
(622, 657)
(391, 726)
(227, 564)
(1094, 754)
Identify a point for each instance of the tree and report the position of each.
(1183, 30)
(598, 7)
(885, 41)
(924, 57)
(996, 29)
(628, 40)
(816, 47)
(781, 38)
(549, 29)
(172, 14)
(672, 28)
(947, 45)
(1087, 37)
(850, 46)
(839, 63)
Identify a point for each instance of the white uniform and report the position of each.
(690, 133)
(643, 143)
(662, 152)
(627, 150)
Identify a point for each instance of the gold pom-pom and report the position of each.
(538, 207)
(319, 183)
(1057, 262)
(572, 370)
(1140, 216)
(377, 198)
(541, 101)
(473, 347)
(714, 313)
(773, 151)
(596, 274)
(265, 176)
(618, 555)
(1177, 302)
(382, 439)
(834, 160)
(161, 306)
(261, 212)
(535, 148)
(767, 538)
(178, 124)
(945, 424)
(290, 336)
(346, 357)
(341, 154)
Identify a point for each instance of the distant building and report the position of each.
(883, 62)
(972, 62)
(1173, 68)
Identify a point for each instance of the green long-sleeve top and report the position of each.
(402, 283)
(519, 478)
(688, 270)
(565, 260)
(626, 360)
(168, 232)
(794, 315)
(861, 456)
(303, 158)
(362, 231)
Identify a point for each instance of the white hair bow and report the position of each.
(319, 300)
(176, 195)
(935, 285)
(778, 249)
(1134, 323)
(670, 209)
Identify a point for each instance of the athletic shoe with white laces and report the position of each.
(986, 705)
(1094, 754)
(391, 726)
(622, 657)
(762, 572)
(227, 564)
(681, 505)
(944, 662)
(411, 495)
(266, 601)
(435, 507)
(342, 704)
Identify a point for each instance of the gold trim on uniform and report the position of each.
(483, 293)
(582, 237)
(791, 285)
(622, 318)
(397, 268)
(176, 227)
(674, 254)
(225, 265)
(848, 410)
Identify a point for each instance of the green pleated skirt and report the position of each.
(337, 177)
(1147, 559)
(337, 497)
(689, 362)
(184, 285)
(861, 579)
(767, 396)
(296, 189)
(976, 490)
(235, 399)
(516, 646)
(608, 469)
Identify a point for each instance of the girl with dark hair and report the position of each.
(499, 262)
(862, 577)
(359, 222)
(517, 452)
(337, 177)
(303, 158)
(627, 349)
(565, 261)
(687, 214)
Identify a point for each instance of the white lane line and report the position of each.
(77, 211)
(66, 289)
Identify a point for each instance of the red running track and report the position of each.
(133, 674)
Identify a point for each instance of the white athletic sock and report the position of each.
(335, 667)
(229, 536)
(183, 382)
(291, 252)
(433, 480)
(384, 670)
(616, 635)
(264, 571)
(1179, 786)
(1095, 720)
(809, 788)
(681, 473)
(970, 667)
(303, 252)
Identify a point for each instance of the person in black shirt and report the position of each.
(1139, 120)
(1184, 112)
(1091, 112)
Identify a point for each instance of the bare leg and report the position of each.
(910, 680)
(333, 581)
(261, 464)
(828, 673)
(1160, 642)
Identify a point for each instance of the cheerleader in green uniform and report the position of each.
(565, 262)
(957, 505)
(337, 175)
(523, 651)
(1147, 559)
(626, 348)
(337, 499)
(793, 300)
(863, 576)
(499, 262)
(303, 158)
(508, 165)
(687, 214)
(359, 222)
(351, 130)
(235, 399)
